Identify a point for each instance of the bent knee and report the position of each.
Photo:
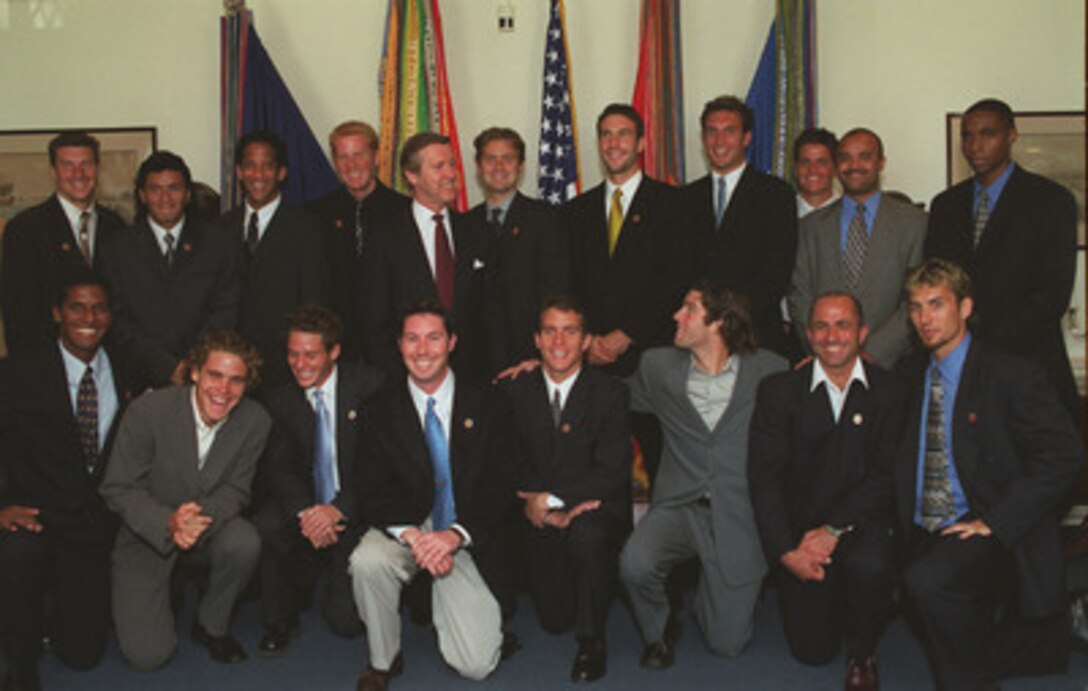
(478, 668)
(145, 657)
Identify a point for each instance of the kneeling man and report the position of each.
(179, 477)
(816, 454)
(439, 459)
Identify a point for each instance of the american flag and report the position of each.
(557, 179)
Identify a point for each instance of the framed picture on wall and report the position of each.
(24, 167)
(1050, 144)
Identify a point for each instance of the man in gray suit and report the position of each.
(179, 476)
(863, 243)
(703, 391)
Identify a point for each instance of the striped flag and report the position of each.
(253, 96)
(783, 91)
(558, 176)
(659, 90)
(414, 88)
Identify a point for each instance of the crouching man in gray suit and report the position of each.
(703, 392)
(179, 476)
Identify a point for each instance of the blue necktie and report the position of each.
(719, 209)
(443, 513)
(324, 486)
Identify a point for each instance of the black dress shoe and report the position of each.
(658, 655)
(510, 645)
(222, 648)
(277, 639)
(589, 663)
(378, 680)
(861, 675)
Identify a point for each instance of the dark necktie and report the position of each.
(169, 255)
(496, 221)
(443, 264)
(982, 216)
(358, 229)
(253, 235)
(936, 482)
(87, 418)
(324, 486)
(557, 408)
(443, 512)
(85, 236)
(857, 243)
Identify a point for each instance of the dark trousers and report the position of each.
(76, 574)
(290, 568)
(850, 606)
(572, 573)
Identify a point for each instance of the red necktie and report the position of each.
(443, 264)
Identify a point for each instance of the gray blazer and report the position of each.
(659, 386)
(895, 245)
(153, 470)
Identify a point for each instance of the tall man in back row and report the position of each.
(1015, 233)
(985, 460)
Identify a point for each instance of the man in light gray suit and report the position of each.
(179, 476)
(863, 243)
(703, 391)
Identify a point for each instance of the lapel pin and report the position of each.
(186, 247)
(972, 418)
(857, 419)
(565, 428)
(352, 414)
(339, 223)
(469, 423)
(636, 218)
(65, 247)
(515, 231)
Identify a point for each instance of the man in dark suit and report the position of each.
(816, 472)
(58, 409)
(349, 213)
(863, 243)
(313, 517)
(631, 255)
(703, 391)
(179, 477)
(745, 221)
(576, 440)
(283, 257)
(986, 458)
(424, 251)
(527, 261)
(439, 458)
(1016, 235)
(60, 235)
(172, 278)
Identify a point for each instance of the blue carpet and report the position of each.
(320, 660)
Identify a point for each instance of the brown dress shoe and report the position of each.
(378, 680)
(861, 676)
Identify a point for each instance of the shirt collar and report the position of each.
(503, 208)
(849, 206)
(952, 364)
(731, 178)
(562, 387)
(730, 367)
(201, 427)
(74, 367)
(994, 189)
(73, 212)
(328, 388)
(265, 213)
(819, 376)
(629, 187)
(443, 397)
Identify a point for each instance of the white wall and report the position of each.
(895, 65)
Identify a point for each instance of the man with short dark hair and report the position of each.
(439, 457)
(527, 261)
(179, 476)
(46, 242)
(745, 221)
(350, 212)
(814, 169)
(173, 279)
(576, 439)
(817, 457)
(703, 391)
(313, 516)
(282, 253)
(862, 243)
(1015, 233)
(424, 251)
(986, 459)
(59, 405)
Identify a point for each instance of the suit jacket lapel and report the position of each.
(633, 221)
(746, 381)
(541, 417)
(881, 244)
(964, 444)
(347, 392)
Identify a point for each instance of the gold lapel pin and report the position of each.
(339, 223)
(469, 423)
(565, 428)
(186, 247)
(636, 218)
(352, 414)
(515, 230)
(65, 247)
(857, 419)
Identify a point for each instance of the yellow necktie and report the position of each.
(615, 221)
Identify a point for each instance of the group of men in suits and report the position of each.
(421, 473)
